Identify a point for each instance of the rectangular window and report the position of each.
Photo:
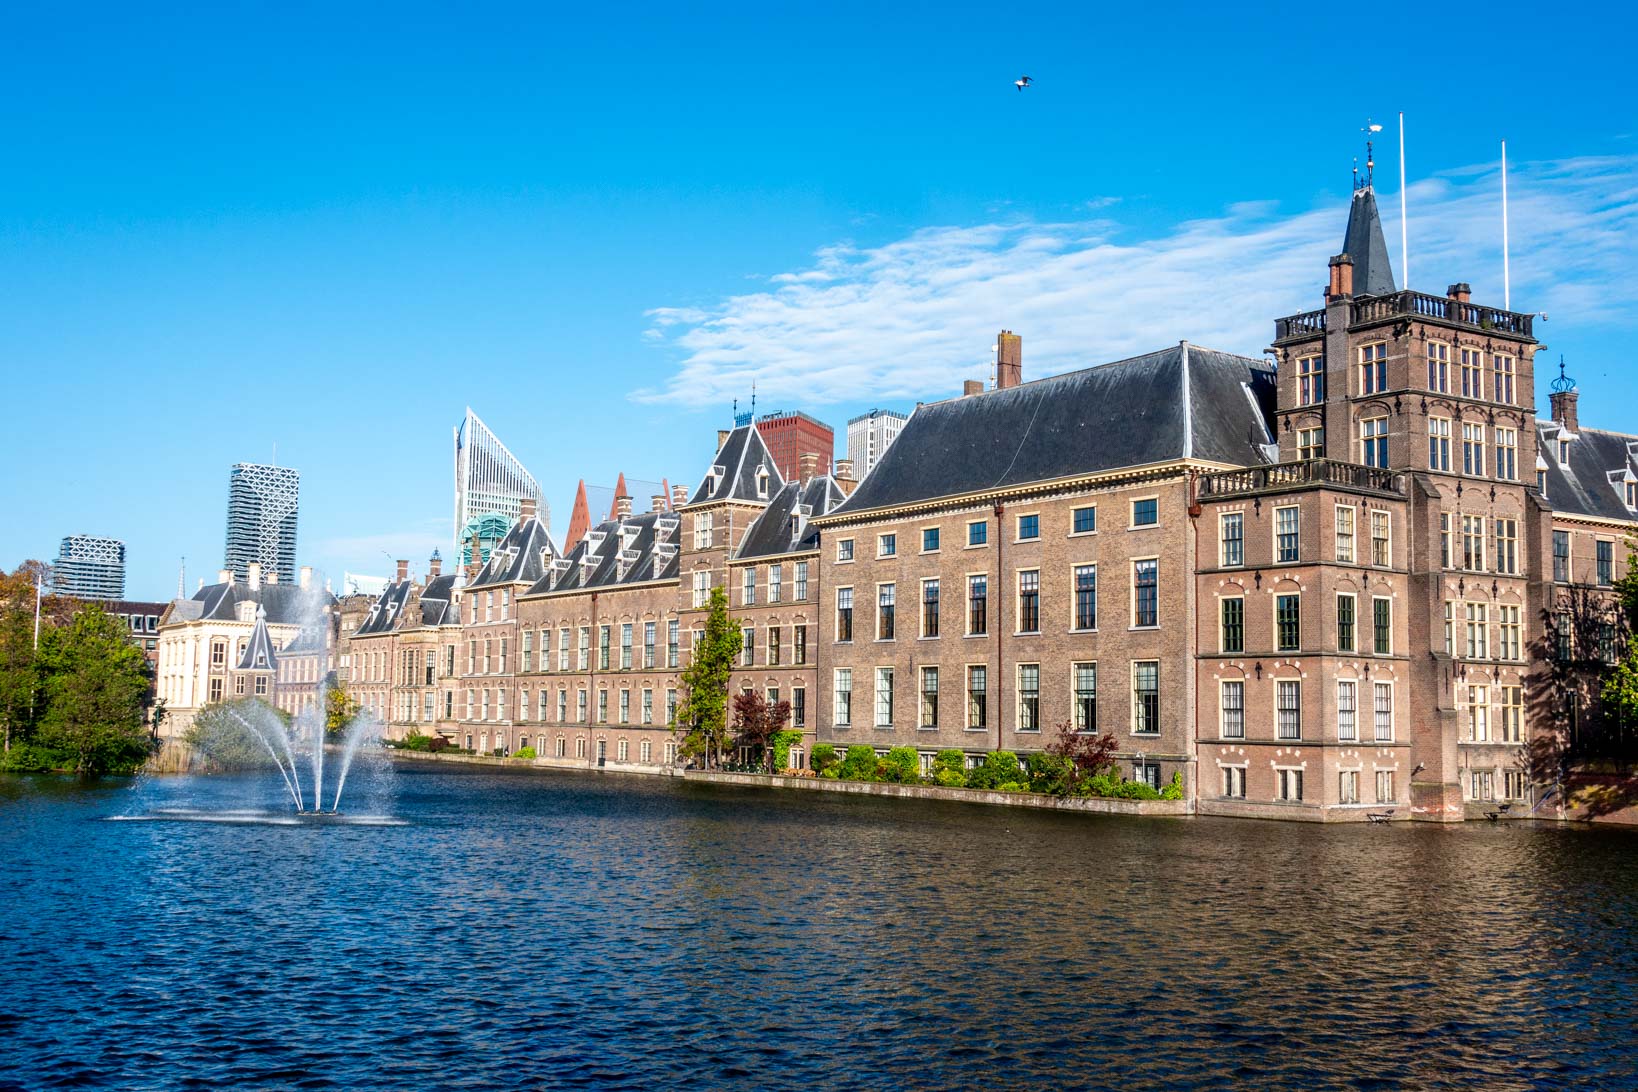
(1345, 623)
(887, 545)
(776, 583)
(1145, 512)
(673, 642)
(929, 608)
(1029, 601)
(1286, 524)
(844, 696)
(1509, 632)
(800, 632)
(1439, 367)
(884, 697)
(1310, 380)
(1384, 787)
(1383, 710)
(978, 599)
(1439, 443)
(1501, 379)
(1233, 703)
(526, 651)
(702, 531)
(1472, 364)
(747, 595)
(1347, 711)
(670, 715)
(799, 707)
(1478, 714)
(929, 697)
(1233, 527)
(1287, 623)
(1450, 627)
(1604, 562)
(604, 636)
(580, 705)
(584, 657)
(977, 698)
(929, 540)
(1348, 787)
(648, 705)
(844, 614)
(1287, 709)
(1507, 546)
(1084, 521)
(1472, 449)
(747, 646)
(1444, 540)
(625, 646)
(1507, 454)
(602, 707)
(1146, 697)
(886, 596)
(563, 650)
(1029, 697)
(801, 581)
(1233, 637)
(1310, 443)
(1234, 782)
(978, 533)
(1561, 556)
(1382, 625)
(1086, 696)
(1086, 597)
(702, 588)
(1373, 368)
(1510, 714)
(1478, 631)
(1345, 534)
(1029, 527)
(844, 549)
(1473, 543)
(649, 637)
(1373, 440)
(1146, 589)
(625, 707)
(562, 706)
(773, 646)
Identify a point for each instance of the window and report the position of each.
(603, 639)
(1287, 623)
(1029, 697)
(747, 595)
(1478, 714)
(1146, 589)
(1233, 635)
(602, 707)
(773, 646)
(1472, 448)
(929, 540)
(800, 632)
(1232, 701)
(1564, 452)
(1145, 512)
(1604, 562)
(977, 697)
(1477, 631)
(1086, 696)
(1029, 601)
(1233, 528)
(1345, 534)
(648, 712)
(1507, 546)
(844, 696)
(673, 642)
(776, 583)
(1561, 556)
(1384, 787)
(929, 697)
(884, 697)
(625, 646)
(978, 533)
(625, 707)
(1444, 539)
(747, 646)
(1286, 522)
(526, 650)
(1345, 623)
(563, 650)
(1348, 787)
(887, 545)
(1507, 454)
(670, 718)
(1310, 381)
(885, 598)
(1373, 438)
(1439, 367)
(1439, 443)
(1288, 709)
(1029, 527)
(1310, 443)
(584, 651)
(1146, 697)
(929, 608)
(1234, 782)
(1510, 714)
(1084, 521)
(1384, 711)
(799, 706)
(702, 531)
(562, 706)
(1509, 633)
(844, 614)
(1472, 366)
(1289, 785)
(1373, 368)
(801, 580)
(1382, 625)
(1347, 711)
(978, 599)
(1501, 380)
(702, 588)
(1086, 597)
(1473, 543)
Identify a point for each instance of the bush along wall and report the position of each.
(1000, 771)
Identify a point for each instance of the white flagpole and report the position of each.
(1404, 234)
(1507, 281)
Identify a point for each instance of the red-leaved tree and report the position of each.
(1087, 752)
(757, 720)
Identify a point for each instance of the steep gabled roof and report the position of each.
(785, 526)
(438, 601)
(1594, 482)
(259, 652)
(1184, 402)
(1373, 275)
(385, 611)
(285, 604)
(735, 470)
(519, 558)
(636, 550)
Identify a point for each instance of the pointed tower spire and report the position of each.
(579, 519)
(620, 490)
(1373, 274)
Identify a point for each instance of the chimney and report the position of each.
(526, 511)
(273, 576)
(1564, 412)
(1009, 360)
(722, 437)
(475, 566)
(843, 471)
(657, 502)
(255, 577)
(622, 507)
(435, 565)
(224, 576)
(306, 575)
(1460, 292)
(403, 569)
(1342, 278)
(807, 466)
(972, 387)
(679, 496)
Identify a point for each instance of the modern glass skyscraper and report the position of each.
(489, 481)
(261, 520)
(90, 567)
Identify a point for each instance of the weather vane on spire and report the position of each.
(1370, 130)
(1563, 383)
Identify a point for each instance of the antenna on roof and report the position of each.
(753, 388)
(1370, 130)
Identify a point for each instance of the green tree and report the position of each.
(702, 711)
(19, 664)
(340, 708)
(1620, 690)
(222, 733)
(96, 689)
(758, 721)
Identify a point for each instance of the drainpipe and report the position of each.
(999, 623)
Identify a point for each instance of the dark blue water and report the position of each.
(581, 931)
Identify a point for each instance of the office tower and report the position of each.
(489, 481)
(90, 567)
(790, 435)
(868, 437)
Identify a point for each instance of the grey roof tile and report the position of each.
(1585, 487)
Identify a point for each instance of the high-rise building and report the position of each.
(90, 567)
(261, 520)
(869, 435)
(790, 435)
(489, 481)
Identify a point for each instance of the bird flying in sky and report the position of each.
(1022, 82)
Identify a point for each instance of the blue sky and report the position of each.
(221, 231)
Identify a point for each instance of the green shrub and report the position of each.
(951, 779)
(824, 759)
(524, 752)
(859, 764)
(1049, 774)
(902, 766)
(415, 741)
(439, 743)
(33, 758)
(999, 768)
(1174, 787)
(782, 742)
(1012, 786)
(832, 773)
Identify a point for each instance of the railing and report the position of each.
(1258, 479)
(1442, 309)
(1307, 324)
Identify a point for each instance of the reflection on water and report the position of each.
(569, 930)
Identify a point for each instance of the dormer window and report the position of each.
(1564, 453)
(1632, 495)
(762, 482)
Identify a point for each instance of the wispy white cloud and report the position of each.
(915, 316)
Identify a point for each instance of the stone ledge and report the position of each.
(1097, 805)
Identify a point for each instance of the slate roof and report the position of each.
(1373, 275)
(733, 473)
(284, 603)
(1585, 487)
(519, 558)
(259, 652)
(1178, 403)
(438, 601)
(638, 549)
(387, 612)
(785, 526)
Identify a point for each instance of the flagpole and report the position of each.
(1507, 281)
(1404, 233)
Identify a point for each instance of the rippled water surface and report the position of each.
(525, 930)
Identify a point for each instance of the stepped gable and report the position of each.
(1183, 402)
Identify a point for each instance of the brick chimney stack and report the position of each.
(722, 437)
(972, 387)
(1342, 278)
(679, 496)
(843, 472)
(1461, 292)
(224, 576)
(622, 507)
(807, 465)
(527, 508)
(403, 569)
(657, 502)
(273, 576)
(435, 565)
(475, 566)
(1009, 360)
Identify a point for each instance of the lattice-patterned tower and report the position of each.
(261, 520)
(90, 567)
